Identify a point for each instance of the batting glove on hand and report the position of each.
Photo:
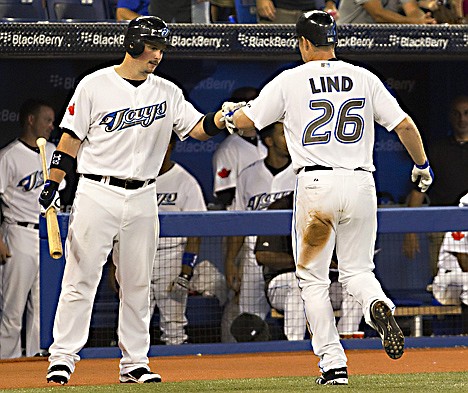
(228, 110)
(424, 174)
(50, 196)
(181, 283)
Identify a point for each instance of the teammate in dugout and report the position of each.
(176, 257)
(329, 108)
(118, 125)
(21, 180)
(450, 285)
(258, 185)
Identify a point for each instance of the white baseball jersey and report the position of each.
(178, 191)
(450, 285)
(329, 108)
(125, 131)
(117, 121)
(21, 181)
(454, 242)
(231, 157)
(257, 188)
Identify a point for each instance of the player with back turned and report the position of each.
(329, 108)
(118, 125)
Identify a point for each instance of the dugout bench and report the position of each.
(217, 224)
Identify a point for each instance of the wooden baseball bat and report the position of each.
(53, 232)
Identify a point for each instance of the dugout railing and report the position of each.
(405, 280)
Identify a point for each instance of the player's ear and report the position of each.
(31, 119)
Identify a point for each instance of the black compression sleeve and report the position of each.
(209, 125)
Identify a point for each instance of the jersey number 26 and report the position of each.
(348, 126)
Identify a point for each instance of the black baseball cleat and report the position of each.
(392, 337)
(140, 375)
(58, 373)
(335, 376)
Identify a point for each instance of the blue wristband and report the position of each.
(423, 166)
(189, 259)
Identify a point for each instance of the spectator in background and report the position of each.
(288, 11)
(176, 257)
(275, 254)
(449, 159)
(444, 11)
(450, 285)
(221, 10)
(180, 11)
(21, 181)
(258, 185)
(378, 11)
(131, 9)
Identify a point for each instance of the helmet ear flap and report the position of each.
(134, 47)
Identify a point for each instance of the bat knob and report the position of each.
(41, 142)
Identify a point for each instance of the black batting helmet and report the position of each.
(318, 27)
(150, 29)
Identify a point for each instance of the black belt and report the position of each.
(325, 168)
(28, 224)
(128, 184)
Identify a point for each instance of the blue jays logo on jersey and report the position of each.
(128, 117)
(167, 198)
(262, 201)
(31, 181)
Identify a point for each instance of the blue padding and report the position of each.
(233, 223)
(273, 346)
(407, 302)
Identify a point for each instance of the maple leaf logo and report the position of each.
(223, 173)
(457, 236)
(71, 109)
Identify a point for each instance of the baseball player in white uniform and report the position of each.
(176, 257)
(21, 179)
(258, 185)
(233, 155)
(450, 285)
(329, 108)
(118, 124)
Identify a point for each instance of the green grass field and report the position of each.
(401, 383)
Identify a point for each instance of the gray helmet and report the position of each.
(150, 29)
(318, 27)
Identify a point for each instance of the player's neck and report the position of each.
(277, 161)
(28, 139)
(166, 167)
(461, 138)
(129, 73)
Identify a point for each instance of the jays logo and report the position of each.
(126, 118)
(31, 182)
(262, 201)
(167, 198)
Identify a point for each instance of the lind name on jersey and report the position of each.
(128, 117)
(328, 84)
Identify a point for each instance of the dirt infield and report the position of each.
(26, 373)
